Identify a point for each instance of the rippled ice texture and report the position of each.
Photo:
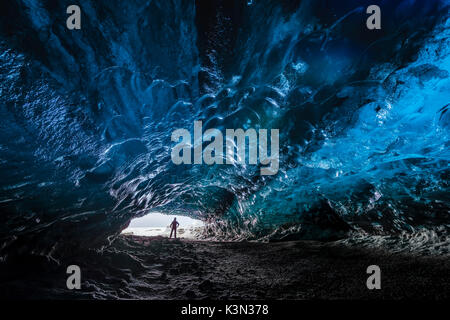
(86, 117)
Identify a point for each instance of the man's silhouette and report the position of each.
(173, 226)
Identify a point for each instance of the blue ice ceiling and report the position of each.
(86, 116)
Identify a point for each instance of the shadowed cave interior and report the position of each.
(87, 118)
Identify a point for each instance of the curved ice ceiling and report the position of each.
(87, 116)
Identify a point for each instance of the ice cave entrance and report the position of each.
(157, 224)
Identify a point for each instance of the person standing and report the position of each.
(173, 226)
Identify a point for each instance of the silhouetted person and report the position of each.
(173, 226)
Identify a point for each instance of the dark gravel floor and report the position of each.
(159, 268)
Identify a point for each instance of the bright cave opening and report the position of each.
(158, 224)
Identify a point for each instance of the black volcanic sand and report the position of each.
(159, 268)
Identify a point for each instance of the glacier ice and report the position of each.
(86, 118)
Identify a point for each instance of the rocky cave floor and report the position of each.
(160, 268)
